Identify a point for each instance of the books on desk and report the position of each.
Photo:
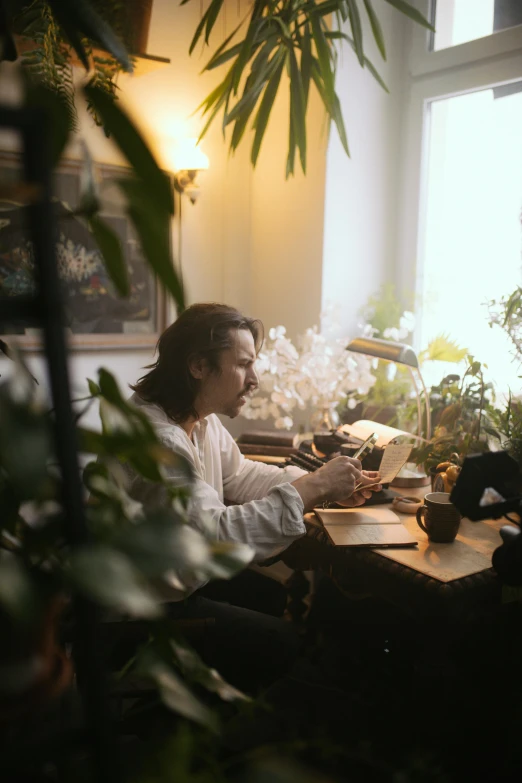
(365, 527)
(268, 443)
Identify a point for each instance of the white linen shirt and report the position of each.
(269, 511)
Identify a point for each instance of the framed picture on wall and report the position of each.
(96, 316)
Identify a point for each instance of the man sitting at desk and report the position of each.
(206, 366)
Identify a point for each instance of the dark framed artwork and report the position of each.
(96, 316)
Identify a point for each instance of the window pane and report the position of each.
(472, 250)
(458, 21)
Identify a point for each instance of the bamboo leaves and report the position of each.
(409, 10)
(376, 28)
(297, 37)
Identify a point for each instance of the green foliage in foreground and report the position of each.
(130, 557)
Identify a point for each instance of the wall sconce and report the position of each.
(401, 354)
(189, 160)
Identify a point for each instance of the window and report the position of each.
(459, 21)
(460, 242)
(473, 239)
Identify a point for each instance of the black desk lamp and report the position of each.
(401, 354)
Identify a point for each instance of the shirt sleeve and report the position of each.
(245, 479)
(270, 519)
(269, 525)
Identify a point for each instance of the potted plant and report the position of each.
(44, 38)
(390, 400)
(460, 416)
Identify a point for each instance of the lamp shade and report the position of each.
(385, 349)
(189, 156)
(402, 354)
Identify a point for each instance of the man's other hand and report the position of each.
(361, 495)
(335, 481)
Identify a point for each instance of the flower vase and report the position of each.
(325, 418)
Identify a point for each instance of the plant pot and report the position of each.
(136, 25)
(130, 20)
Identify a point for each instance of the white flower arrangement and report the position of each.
(316, 374)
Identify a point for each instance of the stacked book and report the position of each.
(268, 443)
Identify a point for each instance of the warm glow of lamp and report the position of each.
(189, 159)
(401, 354)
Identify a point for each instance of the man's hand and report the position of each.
(335, 481)
(361, 494)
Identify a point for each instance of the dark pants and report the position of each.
(248, 642)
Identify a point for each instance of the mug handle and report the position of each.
(420, 513)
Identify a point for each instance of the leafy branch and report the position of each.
(292, 37)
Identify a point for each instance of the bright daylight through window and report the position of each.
(459, 21)
(473, 233)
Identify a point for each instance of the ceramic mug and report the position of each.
(441, 518)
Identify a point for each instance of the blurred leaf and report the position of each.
(79, 18)
(193, 667)
(339, 123)
(297, 107)
(153, 228)
(68, 23)
(228, 559)
(512, 304)
(323, 59)
(94, 389)
(376, 28)
(206, 23)
(243, 110)
(25, 446)
(443, 349)
(109, 245)
(246, 48)
(411, 12)
(109, 387)
(18, 595)
(114, 420)
(155, 185)
(355, 24)
(163, 542)
(265, 108)
(108, 577)
(174, 693)
(220, 58)
(306, 63)
(60, 125)
(91, 441)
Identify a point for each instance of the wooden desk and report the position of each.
(443, 588)
(430, 581)
(469, 554)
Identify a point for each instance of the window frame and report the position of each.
(438, 78)
(423, 61)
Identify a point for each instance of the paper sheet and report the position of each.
(394, 457)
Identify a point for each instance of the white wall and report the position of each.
(287, 223)
(360, 221)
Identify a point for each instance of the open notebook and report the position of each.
(369, 527)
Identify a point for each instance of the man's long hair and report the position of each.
(201, 331)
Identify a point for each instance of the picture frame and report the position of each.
(97, 317)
